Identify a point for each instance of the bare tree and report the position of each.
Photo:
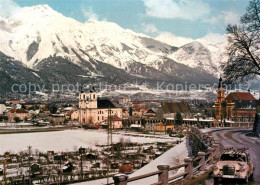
(244, 42)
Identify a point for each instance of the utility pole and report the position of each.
(29, 164)
(81, 164)
(5, 180)
(109, 139)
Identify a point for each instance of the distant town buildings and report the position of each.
(123, 100)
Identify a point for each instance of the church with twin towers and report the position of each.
(94, 110)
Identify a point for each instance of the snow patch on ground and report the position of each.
(67, 140)
(172, 157)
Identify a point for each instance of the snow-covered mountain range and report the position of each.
(51, 47)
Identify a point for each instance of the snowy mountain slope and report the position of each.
(195, 55)
(173, 40)
(207, 52)
(47, 42)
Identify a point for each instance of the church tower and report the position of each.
(223, 108)
(87, 101)
(220, 91)
(220, 99)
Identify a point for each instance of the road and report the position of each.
(237, 138)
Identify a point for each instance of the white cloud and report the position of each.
(214, 38)
(8, 8)
(223, 19)
(184, 9)
(149, 28)
(89, 14)
(173, 40)
(231, 18)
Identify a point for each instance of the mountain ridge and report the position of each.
(51, 40)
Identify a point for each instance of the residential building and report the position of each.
(116, 122)
(75, 115)
(20, 113)
(139, 112)
(2, 108)
(57, 119)
(123, 100)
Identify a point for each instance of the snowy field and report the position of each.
(67, 140)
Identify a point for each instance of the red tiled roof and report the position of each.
(44, 109)
(174, 107)
(240, 96)
(18, 111)
(114, 118)
(12, 110)
(141, 108)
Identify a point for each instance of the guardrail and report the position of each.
(191, 165)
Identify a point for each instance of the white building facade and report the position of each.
(2, 108)
(93, 110)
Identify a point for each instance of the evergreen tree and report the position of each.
(130, 111)
(17, 119)
(53, 108)
(178, 119)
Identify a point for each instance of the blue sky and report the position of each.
(186, 18)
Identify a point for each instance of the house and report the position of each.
(140, 111)
(236, 106)
(244, 109)
(125, 113)
(57, 119)
(13, 102)
(20, 113)
(171, 108)
(18, 106)
(150, 114)
(45, 110)
(136, 104)
(34, 105)
(2, 108)
(163, 127)
(93, 110)
(123, 100)
(116, 122)
(75, 115)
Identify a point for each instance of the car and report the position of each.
(234, 164)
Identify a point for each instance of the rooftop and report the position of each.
(105, 103)
(240, 96)
(174, 107)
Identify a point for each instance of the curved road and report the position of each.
(237, 138)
